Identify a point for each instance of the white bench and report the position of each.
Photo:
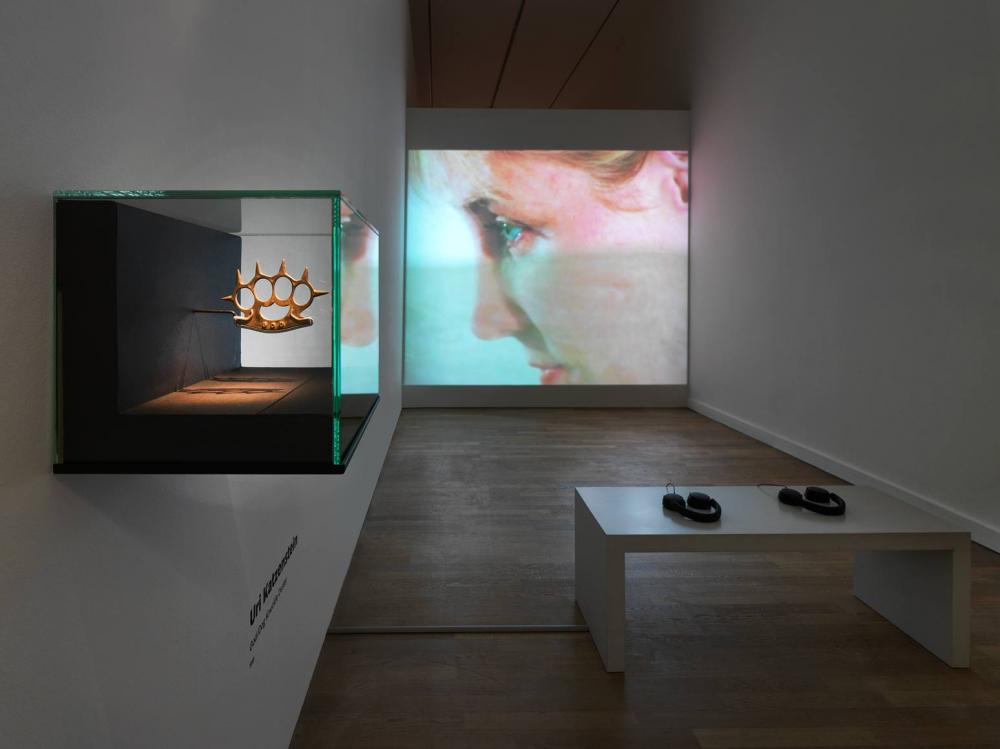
(909, 566)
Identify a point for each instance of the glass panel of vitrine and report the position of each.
(359, 321)
(204, 328)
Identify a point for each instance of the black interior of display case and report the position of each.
(149, 376)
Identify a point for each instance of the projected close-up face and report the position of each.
(547, 267)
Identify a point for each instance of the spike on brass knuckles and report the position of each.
(251, 318)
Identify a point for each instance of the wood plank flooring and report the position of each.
(472, 524)
(472, 520)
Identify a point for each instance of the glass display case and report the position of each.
(213, 331)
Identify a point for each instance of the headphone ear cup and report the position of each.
(817, 494)
(699, 501)
(832, 507)
(673, 501)
(789, 496)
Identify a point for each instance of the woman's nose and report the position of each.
(495, 315)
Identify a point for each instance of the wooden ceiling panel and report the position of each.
(551, 37)
(640, 60)
(640, 57)
(468, 40)
(419, 86)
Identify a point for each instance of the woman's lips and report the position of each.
(551, 374)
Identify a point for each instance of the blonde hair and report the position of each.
(466, 175)
(610, 168)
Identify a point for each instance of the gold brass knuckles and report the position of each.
(250, 317)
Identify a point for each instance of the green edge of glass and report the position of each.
(335, 327)
(192, 194)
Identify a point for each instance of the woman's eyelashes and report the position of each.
(505, 237)
(517, 238)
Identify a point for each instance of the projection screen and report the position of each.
(546, 268)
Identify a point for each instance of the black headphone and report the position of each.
(699, 506)
(816, 499)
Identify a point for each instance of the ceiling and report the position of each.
(563, 54)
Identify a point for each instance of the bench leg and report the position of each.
(600, 588)
(924, 593)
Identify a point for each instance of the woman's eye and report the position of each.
(516, 238)
(502, 236)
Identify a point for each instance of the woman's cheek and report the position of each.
(579, 303)
(358, 323)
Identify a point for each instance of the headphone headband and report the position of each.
(699, 506)
(816, 499)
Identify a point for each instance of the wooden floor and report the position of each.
(472, 524)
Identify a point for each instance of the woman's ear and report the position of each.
(677, 163)
(662, 178)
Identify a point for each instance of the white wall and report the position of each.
(845, 245)
(580, 129)
(124, 599)
(297, 231)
